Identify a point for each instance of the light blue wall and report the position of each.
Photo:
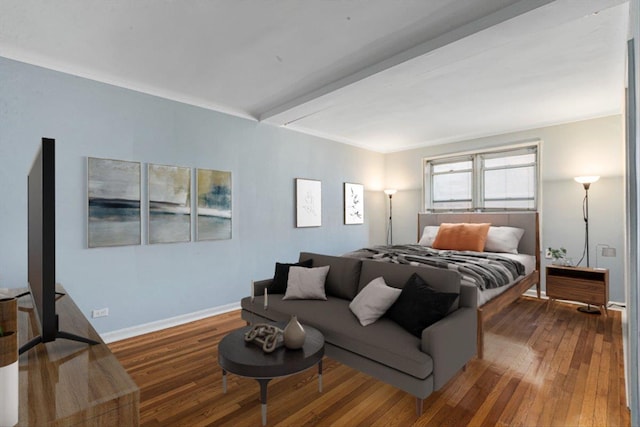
(146, 283)
(589, 147)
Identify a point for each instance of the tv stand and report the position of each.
(59, 334)
(69, 384)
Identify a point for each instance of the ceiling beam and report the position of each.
(302, 106)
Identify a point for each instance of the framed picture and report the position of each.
(308, 203)
(353, 203)
(214, 205)
(113, 193)
(169, 204)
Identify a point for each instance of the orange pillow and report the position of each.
(462, 237)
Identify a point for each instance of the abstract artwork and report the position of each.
(353, 203)
(214, 205)
(113, 203)
(169, 204)
(308, 203)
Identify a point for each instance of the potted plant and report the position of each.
(559, 256)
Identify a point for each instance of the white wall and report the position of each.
(590, 147)
(141, 284)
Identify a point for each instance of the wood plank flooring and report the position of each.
(543, 367)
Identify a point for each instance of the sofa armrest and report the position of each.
(451, 343)
(260, 285)
(468, 296)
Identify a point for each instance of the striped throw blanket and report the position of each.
(482, 269)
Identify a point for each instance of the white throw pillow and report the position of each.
(429, 234)
(373, 301)
(503, 239)
(306, 283)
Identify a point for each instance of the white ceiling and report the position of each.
(387, 75)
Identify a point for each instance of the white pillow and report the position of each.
(373, 301)
(429, 235)
(306, 283)
(503, 239)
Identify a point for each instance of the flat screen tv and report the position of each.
(41, 233)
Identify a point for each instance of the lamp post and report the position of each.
(586, 182)
(390, 192)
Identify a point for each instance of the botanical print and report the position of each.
(308, 203)
(353, 203)
(113, 203)
(169, 204)
(214, 205)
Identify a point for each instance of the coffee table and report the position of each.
(247, 359)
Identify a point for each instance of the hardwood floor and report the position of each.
(543, 367)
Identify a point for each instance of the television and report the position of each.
(41, 232)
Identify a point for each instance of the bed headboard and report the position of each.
(529, 244)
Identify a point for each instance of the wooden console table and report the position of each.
(68, 383)
(583, 284)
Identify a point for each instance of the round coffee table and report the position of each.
(248, 360)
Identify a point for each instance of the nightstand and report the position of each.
(582, 284)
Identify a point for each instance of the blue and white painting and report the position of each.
(114, 203)
(169, 204)
(214, 205)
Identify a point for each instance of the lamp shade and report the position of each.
(390, 191)
(587, 179)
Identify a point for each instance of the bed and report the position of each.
(492, 298)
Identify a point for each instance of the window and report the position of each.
(493, 180)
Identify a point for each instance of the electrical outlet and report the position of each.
(547, 254)
(102, 312)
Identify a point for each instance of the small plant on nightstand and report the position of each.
(559, 256)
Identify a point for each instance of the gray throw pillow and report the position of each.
(306, 283)
(373, 301)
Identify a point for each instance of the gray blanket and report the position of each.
(482, 269)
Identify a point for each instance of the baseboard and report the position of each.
(134, 331)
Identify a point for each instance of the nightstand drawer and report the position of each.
(590, 292)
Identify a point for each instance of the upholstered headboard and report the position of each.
(529, 244)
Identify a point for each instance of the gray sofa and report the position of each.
(383, 349)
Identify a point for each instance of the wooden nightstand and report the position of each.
(583, 284)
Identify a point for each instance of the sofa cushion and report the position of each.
(396, 275)
(344, 274)
(420, 306)
(373, 301)
(306, 283)
(281, 276)
(384, 341)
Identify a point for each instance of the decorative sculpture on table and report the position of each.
(294, 334)
(268, 336)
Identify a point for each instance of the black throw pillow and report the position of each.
(281, 276)
(419, 306)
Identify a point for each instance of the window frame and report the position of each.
(477, 176)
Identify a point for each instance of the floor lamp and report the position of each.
(390, 192)
(586, 182)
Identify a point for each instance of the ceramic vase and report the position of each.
(294, 334)
(9, 363)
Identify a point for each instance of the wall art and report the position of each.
(113, 203)
(169, 204)
(308, 203)
(353, 203)
(214, 205)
